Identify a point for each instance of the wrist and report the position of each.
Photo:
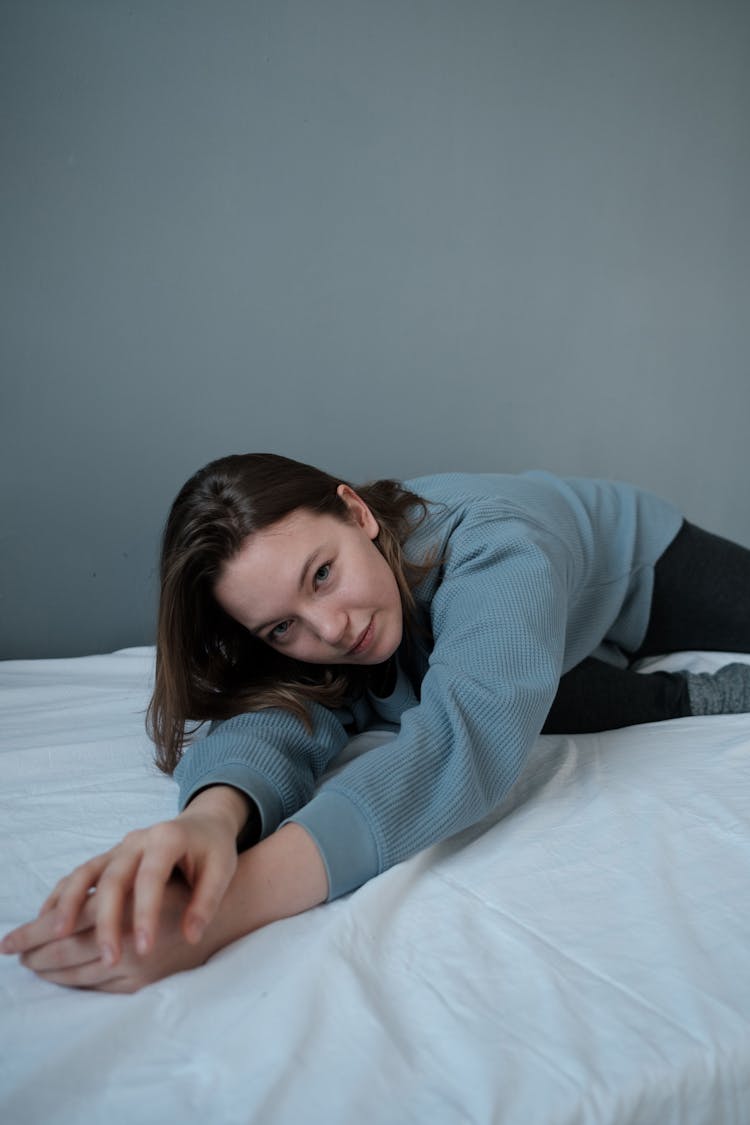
(281, 876)
(229, 805)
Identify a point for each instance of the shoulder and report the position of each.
(524, 504)
(576, 526)
(462, 487)
(480, 523)
(538, 500)
(528, 493)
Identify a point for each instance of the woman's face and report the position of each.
(316, 588)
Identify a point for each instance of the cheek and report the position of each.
(387, 586)
(395, 595)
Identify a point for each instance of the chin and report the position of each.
(388, 651)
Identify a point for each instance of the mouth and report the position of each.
(364, 640)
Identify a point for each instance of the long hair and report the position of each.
(207, 665)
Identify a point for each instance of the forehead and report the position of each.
(273, 559)
(289, 538)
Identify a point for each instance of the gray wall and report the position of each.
(389, 237)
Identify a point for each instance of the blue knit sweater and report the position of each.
(538, 572)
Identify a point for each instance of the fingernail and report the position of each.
(107, 955)
(141, 941)
(59, 928)
(7, 945)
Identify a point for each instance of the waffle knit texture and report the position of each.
(538, 572)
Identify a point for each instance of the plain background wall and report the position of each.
(388, 237)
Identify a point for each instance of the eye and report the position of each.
(322, 574)
(279, 630)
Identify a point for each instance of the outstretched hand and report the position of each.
(280, 876)
(200, 844)
(76, 960)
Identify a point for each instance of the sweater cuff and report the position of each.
(344, 839)
(240, 776)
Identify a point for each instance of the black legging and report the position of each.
(701, 600)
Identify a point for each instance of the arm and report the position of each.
(499, 622)
(222, 801)
(269, 756)
(237, 784)
(200, 843)
(281, 876)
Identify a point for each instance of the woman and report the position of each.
(468, 612)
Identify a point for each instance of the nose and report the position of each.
(330, 625)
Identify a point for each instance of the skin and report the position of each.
(348, 587)
(280, 876)
(168, 897)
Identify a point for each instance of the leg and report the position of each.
(596, 696)
(701, 596)
(701, 601)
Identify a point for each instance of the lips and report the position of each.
(364, 640)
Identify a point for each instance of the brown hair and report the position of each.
(207, 665)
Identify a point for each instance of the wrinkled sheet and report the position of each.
(581, 956)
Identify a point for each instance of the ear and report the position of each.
(358, 510)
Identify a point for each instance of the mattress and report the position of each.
(580, 956)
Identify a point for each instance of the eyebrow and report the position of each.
(307, 564)
(300, 586)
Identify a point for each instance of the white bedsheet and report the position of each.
(580, 958)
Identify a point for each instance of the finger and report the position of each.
(70, 894)
(93, 974)
(65, 953)
(148, 894)
(76, 963)
(38, 932)
(207, 895)
(115, 884)
(51, 900)
(28, 936)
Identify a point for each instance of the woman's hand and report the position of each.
(76, 960)
(282, 875)
(200, 843)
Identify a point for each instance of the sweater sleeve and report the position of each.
(269, 755)
(498, 618)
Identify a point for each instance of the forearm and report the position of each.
(281, 876)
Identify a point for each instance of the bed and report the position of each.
(578, 958)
